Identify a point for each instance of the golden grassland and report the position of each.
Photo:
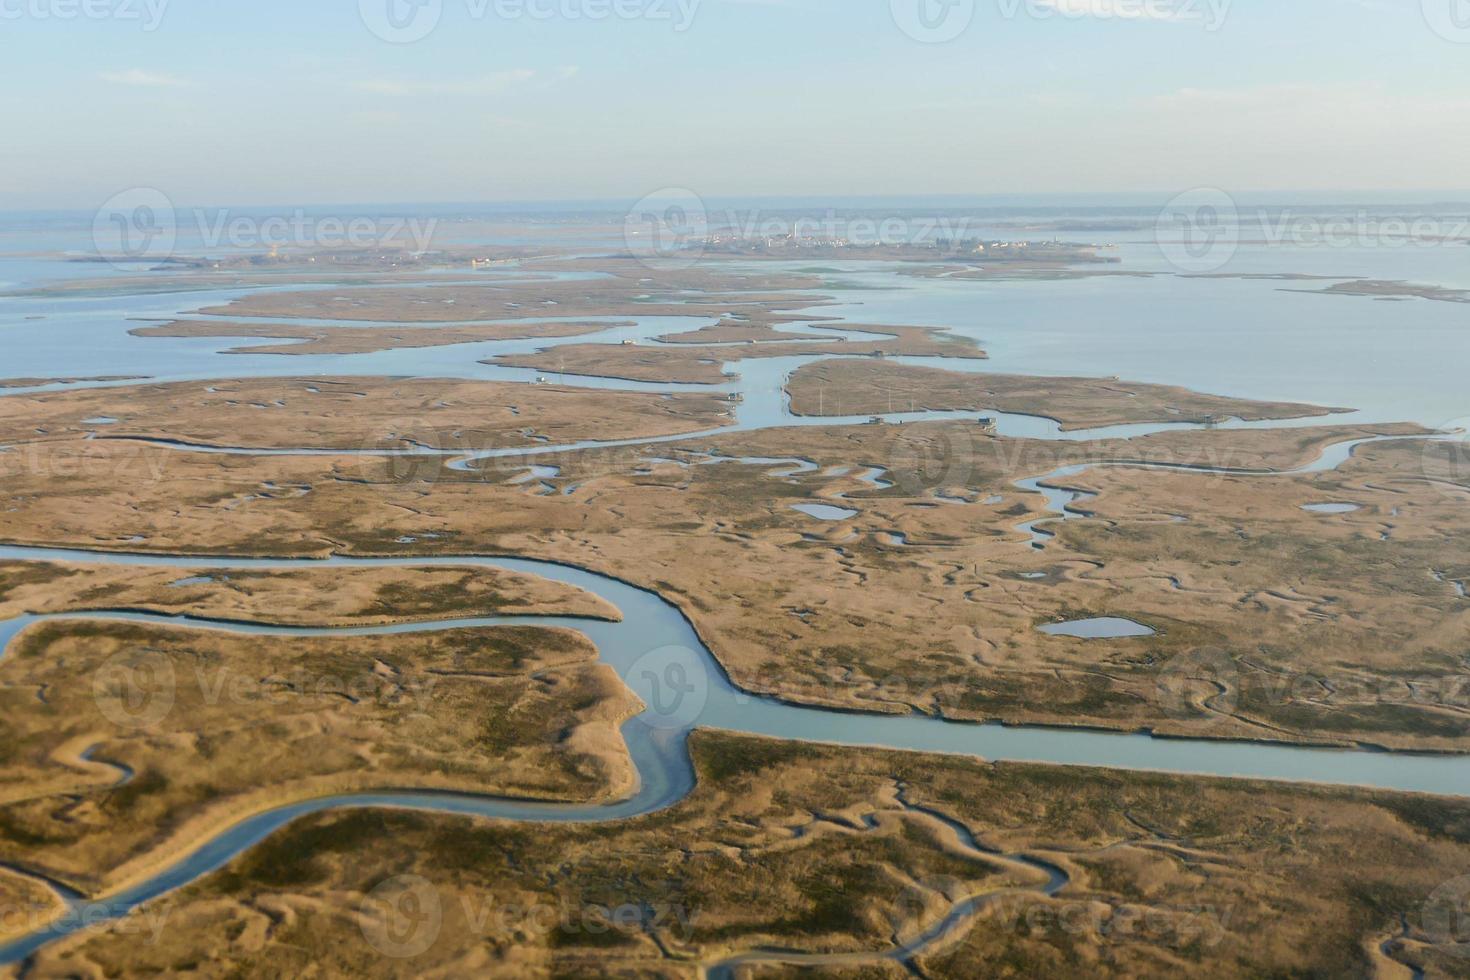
(929, 598)
(333, 596)
(125, 743)
(746, 331)
(703, 365)
(868, 388)
(361, 340)
(817, 850)
(355, 413)
(618, 288)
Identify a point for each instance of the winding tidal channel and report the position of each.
(661, 657)
(657, 652)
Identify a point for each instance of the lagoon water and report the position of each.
(1395, 361)
(1101, 628)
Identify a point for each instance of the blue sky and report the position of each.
(289, 101)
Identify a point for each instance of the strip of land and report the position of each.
(292, 597)
(355, 413)
(929, 595)
(363, 340)
(38, 382)
(838, 388)
(733, 331)
(127, 743)
(1387, 289)
(694, 365)
(836, 855)
(619, 288)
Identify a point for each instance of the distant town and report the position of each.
(960, 249)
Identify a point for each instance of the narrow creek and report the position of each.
(659, 655)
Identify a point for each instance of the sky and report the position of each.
(267, 102)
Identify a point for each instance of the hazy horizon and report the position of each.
(534, 101)
(1069, 202)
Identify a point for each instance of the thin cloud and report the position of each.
(140, 78)
(492, 84)
(1122, 9)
